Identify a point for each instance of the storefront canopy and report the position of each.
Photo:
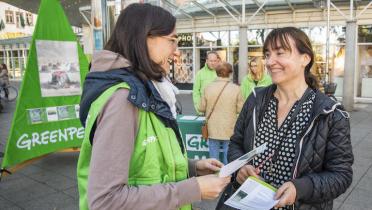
(201, 8)
(188, 9)
(71, 8)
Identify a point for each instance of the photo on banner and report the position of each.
(58, 65)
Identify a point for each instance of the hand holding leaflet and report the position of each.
(254, 194)
(230, 168)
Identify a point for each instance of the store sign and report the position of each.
(185, 40)
(194, 142)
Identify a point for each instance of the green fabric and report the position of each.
(248, 84)
(263, 183)
(157, 157)
(202, 79)
(28, 140)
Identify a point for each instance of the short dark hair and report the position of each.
(135, 24)
(302, 43)
(213, 53)
(224, 69)
(3, 65)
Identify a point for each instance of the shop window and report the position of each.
(335, 71)
(29, 19)
(256, 36)
(212, 39)
(318, 34)
(234, 38)
(9, 17)
(18, 19)
(365, 34)
(365, 71)
(182, 70)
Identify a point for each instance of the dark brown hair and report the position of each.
(3, 66)
(135, 24)
(280, 38)
(224, 69)
(213, 53)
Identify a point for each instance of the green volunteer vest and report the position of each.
(157, 157)
(248, 84)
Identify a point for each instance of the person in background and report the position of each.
(205, 76)
(256, 77)
(132, 155)
(309, 156)
(225, 110)
(4, 79)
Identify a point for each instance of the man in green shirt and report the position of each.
(204, 76)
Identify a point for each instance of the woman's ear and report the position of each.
(305, 60)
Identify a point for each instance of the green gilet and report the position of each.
(203, 77)
(248, 84)
(157, 156)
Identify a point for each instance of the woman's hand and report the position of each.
(208, 166)
(211, 185)
(246, 171)
(286, 195)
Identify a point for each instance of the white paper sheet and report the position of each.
(200, 118)
(230, 168)
(253, 195)
(188, 117)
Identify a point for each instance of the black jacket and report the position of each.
(322, 168)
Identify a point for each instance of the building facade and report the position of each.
(16, 28)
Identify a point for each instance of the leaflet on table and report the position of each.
(188, 117)
(230, 168)
(254, 194)
(200, 118)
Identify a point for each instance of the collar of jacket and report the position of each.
(223, 79)
(206, 67)
(322, 103)
(141, 94)
(250, 77)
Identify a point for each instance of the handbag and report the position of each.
(204, 128)
(204, 131)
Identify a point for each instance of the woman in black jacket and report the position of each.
(309, 153)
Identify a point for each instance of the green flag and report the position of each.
(47, 110)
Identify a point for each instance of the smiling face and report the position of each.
(212, 61)
(285, 64)
(253, 66)
(163, 48)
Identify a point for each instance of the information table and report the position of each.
(196, 146)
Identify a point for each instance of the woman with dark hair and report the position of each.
(256, 77)
(309, 155)
(132, 156)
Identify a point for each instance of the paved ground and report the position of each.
(50, 183)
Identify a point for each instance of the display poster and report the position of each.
(46, 118)
(58, 65)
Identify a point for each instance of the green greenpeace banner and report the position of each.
(46, 118)
(196, 146)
